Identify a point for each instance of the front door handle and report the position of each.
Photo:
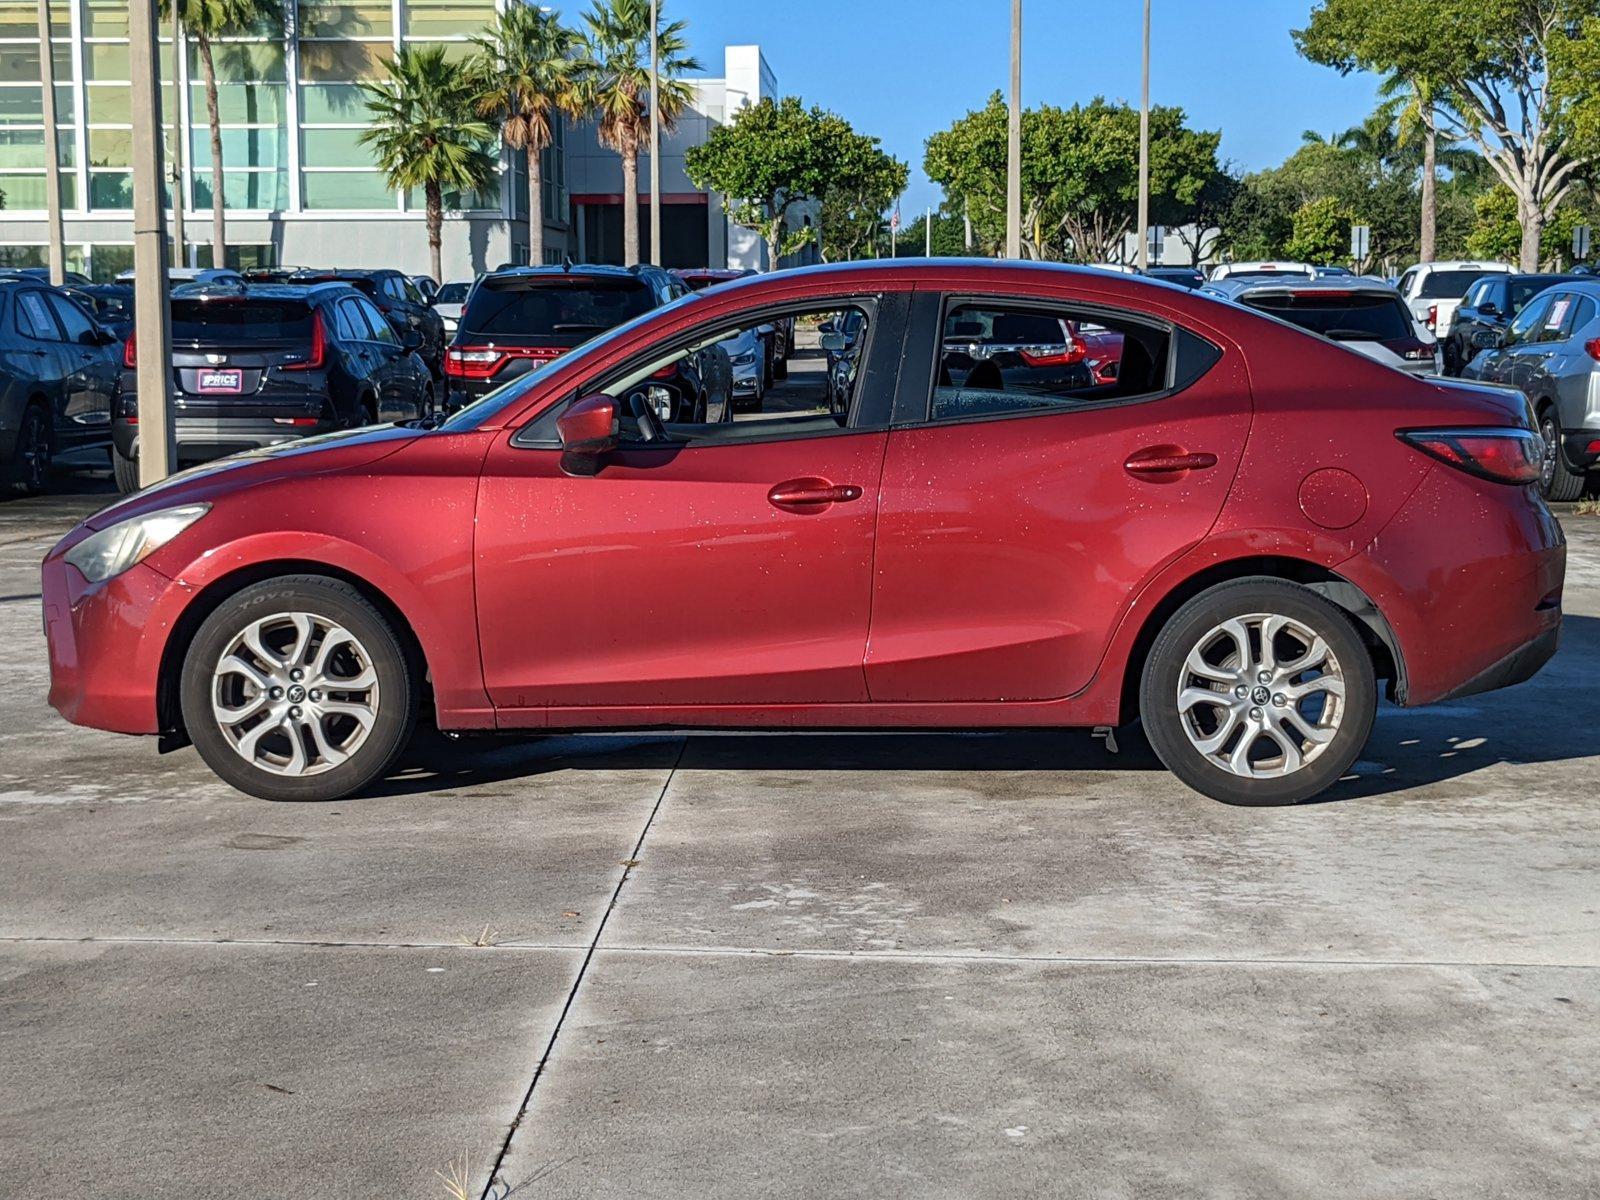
(811, 492)
(1167, 460)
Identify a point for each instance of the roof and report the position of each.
(1336, 284)
(591, 269)
(255, 291)
(1461, 264)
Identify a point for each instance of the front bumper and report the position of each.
(106, 641)
(201, 439)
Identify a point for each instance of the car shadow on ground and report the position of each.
(1549, 719)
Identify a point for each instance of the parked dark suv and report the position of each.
(58, 381)
(255, 366)
(1488, 307)
(399, 300)
(521, 317)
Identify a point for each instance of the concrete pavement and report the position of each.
(999, 964)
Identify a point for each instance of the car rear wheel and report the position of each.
(1556, 480)
(30, 454)
(125, 471)
(298, 688)
(1258, 692)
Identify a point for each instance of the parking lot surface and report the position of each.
(725, 966)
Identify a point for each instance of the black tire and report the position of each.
(1452, 360)
(31, 455)
(1188, 628)
(125, 471)
(1557, 481)
(397, 674)
(780, 369)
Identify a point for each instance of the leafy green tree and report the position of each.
(776, 154)
(206, 21)
(526, 76)
(426, 133)
(1080, 181)
(1508, 75)
(614, 83)
(1320, 232)
(1497, 234)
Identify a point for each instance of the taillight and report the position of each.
(130, 351)
(481, 362)
(1051, 356)
(1433, 316)
(1500, 453)
(319, 348)
(1592, 347)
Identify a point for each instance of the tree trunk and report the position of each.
(435, 202)
(774, 239)
(630, 207)
(535, 207)
(1531, 217)
(219, 220)
(1430, 180)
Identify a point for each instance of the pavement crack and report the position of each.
(630, 865)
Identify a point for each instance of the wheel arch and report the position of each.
(210, 597)
(1388, 660)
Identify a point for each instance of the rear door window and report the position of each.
(79, 328)
(34, 319)
(563, 309)
(1524, 328)
(248, 320)
(381, 329)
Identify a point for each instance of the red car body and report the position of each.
(999, 572)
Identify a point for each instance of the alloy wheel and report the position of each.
(34, 451)
(1260, 696)
(1547, 463)
(295, 693)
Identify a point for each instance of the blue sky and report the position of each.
(901, 69)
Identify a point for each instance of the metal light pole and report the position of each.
(1014, 140)
(655, 136)
(52, 165)
(152, 334)
(1144, 150)
(180, 134)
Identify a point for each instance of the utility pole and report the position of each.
(1144, 150)
(52, 154)
(1014, 140)
(180, 134)
(152, 333)
(655, 136)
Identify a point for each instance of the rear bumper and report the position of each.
(201, 439)
(1581, 449)
(1469, 577)
(106, 641)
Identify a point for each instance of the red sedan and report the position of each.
(1238, 539)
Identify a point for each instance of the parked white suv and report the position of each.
(1433, 290)
(1259, 270)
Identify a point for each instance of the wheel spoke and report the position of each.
(1331, 685)
(1196, 665)
(232, 716)
(1317, 735)
(1192, 696)
(303, 629)
(297, 749)
(1271, 627)
(1215, 741)
(1240, 633)
(335, 638)
(1239, 760)
(1291, 753)
(362, 714)
(333, 757)
(234, 665)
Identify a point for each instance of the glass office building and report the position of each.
(295, 178)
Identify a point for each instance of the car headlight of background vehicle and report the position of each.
(113, 550)
(744, 360)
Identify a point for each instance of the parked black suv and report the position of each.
(398, 299)
(1489, 305)
(521, 317)
(255, 366)
(58, 382)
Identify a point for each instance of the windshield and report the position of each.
(1376, 316)
(1448, 285)
(241, 320)
(453, 293)
(562, 307)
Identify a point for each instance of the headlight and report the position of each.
(112, 551)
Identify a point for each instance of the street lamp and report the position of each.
(655, 136)
(1144, 150)
(152, 335)
(52, 161)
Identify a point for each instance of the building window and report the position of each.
(342, 46)
(22, 144)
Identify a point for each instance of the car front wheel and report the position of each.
(1258, 692)
(298, 688)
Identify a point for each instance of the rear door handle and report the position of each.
(811, 492)
(1167, 460)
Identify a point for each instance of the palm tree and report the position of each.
(1412, 104)
(615, 85)
(426, 133)
(526, 74)
(207, 20)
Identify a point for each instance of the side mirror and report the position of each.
(99, 336)
(1486, 339)
(1488, 309)
(834, 343)
(589, 426)
(826, 327)
(411, 339)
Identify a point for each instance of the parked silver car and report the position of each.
(1551, 354)
(747, 355)
(1367, 315)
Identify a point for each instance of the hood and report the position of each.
(342, 451)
